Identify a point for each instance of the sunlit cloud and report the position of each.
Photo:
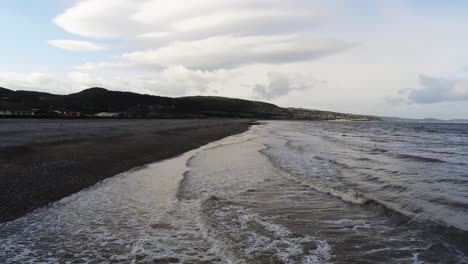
(76, 45)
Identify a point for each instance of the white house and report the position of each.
(107, 114)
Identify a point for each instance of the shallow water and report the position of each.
(284, 192)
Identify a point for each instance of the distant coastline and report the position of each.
(423, 120)
(100, 103)
(103, 103)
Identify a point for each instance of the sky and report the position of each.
(406, 58)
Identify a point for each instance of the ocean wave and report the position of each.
(390, 175)
(445, 152)
(244, 236)
(394, 187)
(378, 150)
(344, 193)
(409, 157)
(363, 159)
(458, 235)
(455, 180)
(419, 158)
(180, 193)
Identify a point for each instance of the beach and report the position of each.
(42, 161)
(280, 192)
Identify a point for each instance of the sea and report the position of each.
(282, 192)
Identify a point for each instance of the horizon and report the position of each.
(282, 106)
(404, 58)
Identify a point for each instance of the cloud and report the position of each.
(203, 34)
(280, 84)
(76, 45)
(44, 81)
(436, 90)
(100, 18)
(230, 51)
(153, 35)
(104, 64)
(180, 80)
(183, 19)
(172, 81)
(180, 47)
(183, 47)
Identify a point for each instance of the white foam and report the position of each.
(243, 236)
(347, 195)
(112, 220)
(416, 259)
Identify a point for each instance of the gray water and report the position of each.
(283, 192)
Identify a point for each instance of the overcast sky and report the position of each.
(386, 57)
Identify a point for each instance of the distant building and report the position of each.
(56, 113)
(17, 113)
(107, 114)
(8, 108)
(72, 114)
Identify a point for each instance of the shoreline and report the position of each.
(43, 161)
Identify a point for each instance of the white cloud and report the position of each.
(154, 35)
(76, 45)
(203, 34)
(203, 18)
(100, 18)
(180, 47)
(179, 80)
(229, 51)
(43, 81)
(89, 66)
(172, 81)
(127, 18)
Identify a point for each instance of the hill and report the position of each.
(133, 105)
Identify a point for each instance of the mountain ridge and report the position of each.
(94, 100)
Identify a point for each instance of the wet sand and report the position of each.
(42, 161)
